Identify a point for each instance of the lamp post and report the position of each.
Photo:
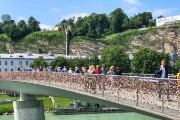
(64, 25)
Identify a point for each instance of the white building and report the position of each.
(11, 62)
(167, 20)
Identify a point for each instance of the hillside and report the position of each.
(164, 38)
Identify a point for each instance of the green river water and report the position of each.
(108, 116)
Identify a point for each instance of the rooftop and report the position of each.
(33, 56)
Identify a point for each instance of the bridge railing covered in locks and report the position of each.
(159, 95)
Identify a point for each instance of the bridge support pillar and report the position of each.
(28, 108)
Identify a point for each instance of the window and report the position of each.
(0, 62)
(6, 62)
(5, 70)
(27, 63)
(20, 63)
(0, 70)
(12, 70)
(12, 63)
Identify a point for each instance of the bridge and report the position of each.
(159, 98)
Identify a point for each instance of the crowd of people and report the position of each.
(91, 70)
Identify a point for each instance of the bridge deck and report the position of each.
(139, 92)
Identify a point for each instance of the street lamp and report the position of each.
(64, 25)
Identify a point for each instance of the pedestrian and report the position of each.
(58, 69)
(84, 70)
(64, 69)
(97, 70)
(70, 71)
(103, 69)
(76, 70)
(91, 69)
(118, 71)
(111, 71)
(162, 72)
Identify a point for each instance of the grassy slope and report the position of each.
(61, 102)
(55, 40)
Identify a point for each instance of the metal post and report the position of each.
(137, 94)
(162, 98)
(103, 87)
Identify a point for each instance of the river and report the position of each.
(108, 116)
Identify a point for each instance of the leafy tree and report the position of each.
(81, 27)
(22, 27)
(5, 18)
(147, 60)
(177, 65)
(161, 16)
(59, 62)
(116, 56)
(94, 60)
(33, 24)
(117, 20)
(39, 62)
(1, 25)
(141, 19)
(11, 30)
(79, 62)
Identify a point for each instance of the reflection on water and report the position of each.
(108, 116)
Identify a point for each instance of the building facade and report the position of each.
(11, 62)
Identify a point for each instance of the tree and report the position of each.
(161, 16)
(1, 25)
(6, 18)
(59, 62)
(33, 24)
(39, 62)
(94, 60)
(141, 19)
(79, 62)
(22, 27)
(177, 65)
(116, 20)
(147, 60)
(11, 30)
(116, 56)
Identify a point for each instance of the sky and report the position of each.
(51, 12)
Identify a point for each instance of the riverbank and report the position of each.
(48, 105)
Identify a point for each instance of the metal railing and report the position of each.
(155, 94)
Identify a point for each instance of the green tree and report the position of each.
(39, 62)
(11, 30)
(79, 62)
(6, 18)
(177, 65)
(1, 25)
(117, 20)
(147, 60)
(116, 56)
(22, 27)
(33, 24)
(94, 60)
(137, 21)
(59, 62)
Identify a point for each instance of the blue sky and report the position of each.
(50, 12)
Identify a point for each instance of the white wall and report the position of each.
(16, 64)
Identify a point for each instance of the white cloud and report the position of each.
(21, 18)
(165, 11)
(76, 15)
(44, 26)
(132, 2)
(57, 10)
